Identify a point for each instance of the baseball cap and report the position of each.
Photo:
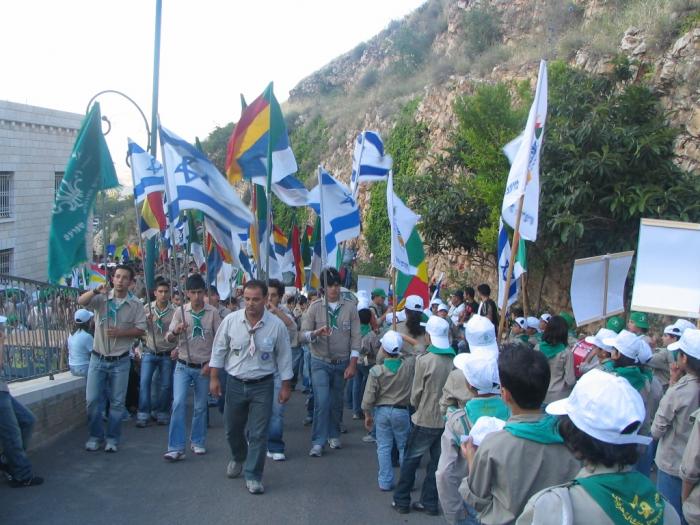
(437, 329)
(615, 323)
(82, 315)
(533, 322)
(683, 324)
(484, 426)
(640, 319)
(400, 317)
(689, 343)
(435, 301)
(442, 307)
(362, 304)
(602, 405)
(521, 322)
(672, 329)
(597, 339)
(545, 317)
(378, 292)
(480, 371)
(414, 302)
(481, 335)
(391, 342)
(626, 343)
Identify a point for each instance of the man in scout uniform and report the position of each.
(432, 369)
(193, 327)
(386, 402)
(252, 345)
(119, 319)
(331, 327)
(378, 305)
(159, 315)
(502, 473)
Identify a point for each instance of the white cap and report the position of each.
(442, 307)
(3, 319)
(480, 371)
(437, 328)
(362, 294)
(435, 301)
(645, 351)
(484, 426)
(362, 304)
(545, 317)
(597, 339)
(683, 324)
(391, 342)
(521, 322)
(400, 317)
(672, 329)
(689, 343)
(602, 405)
(82, 315)
(627, 344)
(481, 335)
(414, 302)
(533, 322)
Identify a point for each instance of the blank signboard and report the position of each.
(667, 278)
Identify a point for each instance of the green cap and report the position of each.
(640, 319)
(378, 292)
(569, 319)
(615, 323)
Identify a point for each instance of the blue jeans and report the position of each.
(275, 441)
(671, 487)
(421, 441)
(113, 377)
(392, 426)
(79, 370)
(646, 458)
(328, 384)
(16, 424)
(306, 366)
(149, 364)
(246, 420)
(184, 376)
(358, 388)
(471, 518)
(297, 364)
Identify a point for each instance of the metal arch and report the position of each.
(133, 102)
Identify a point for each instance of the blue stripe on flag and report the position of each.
(188, 195)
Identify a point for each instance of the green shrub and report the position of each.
(481, 29)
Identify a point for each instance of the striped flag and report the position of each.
(299, 273)
(369, 163)
(504, 253)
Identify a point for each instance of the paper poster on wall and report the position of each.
(369, 283)
(667, 276)
(598, 286)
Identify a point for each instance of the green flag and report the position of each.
(305, 246)
(521, 258)
(89, 170)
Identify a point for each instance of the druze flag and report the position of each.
(402, 221)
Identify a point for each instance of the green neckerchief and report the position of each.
(551, 350)
(333, 316)
(626, 497)
(543, 431)
(634, 375)
(365, 329)
(608, 366)
(441, 351)
(197, 328)
(486, 406)
(524, 338)
(160, 315)
(113, 310)
(393, 364)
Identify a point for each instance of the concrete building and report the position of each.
(35, 144)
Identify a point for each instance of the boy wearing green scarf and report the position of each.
(524, 458)
(599, 423)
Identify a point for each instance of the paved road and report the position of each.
(136, 486)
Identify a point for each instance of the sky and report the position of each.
(58, 54)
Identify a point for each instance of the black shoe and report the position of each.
(419, 507)
(31, 482)
(400, 508)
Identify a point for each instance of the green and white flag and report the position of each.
(89, 170)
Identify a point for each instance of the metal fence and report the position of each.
(39, 321)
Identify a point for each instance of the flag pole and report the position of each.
(394, 320)
(254, 226)
(268, 193)
(104, 261)
(145, 279)
(511, 264)
(323, 256)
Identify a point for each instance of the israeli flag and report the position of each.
(291, 191)
(193, 182)
(146, 172)
(503, 264)
(369, 163)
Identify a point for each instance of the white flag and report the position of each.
(503, 264)
(402, 221)
(524, 175)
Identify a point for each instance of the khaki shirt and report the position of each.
(231, 348)
(369, 349)
(661, 363)
(672, 422)
(455, 393)
(292, 328)
(563, 378)
(430, 377)
(408, 348)
(130, 314)
(199, 348)
(508, 470)
(546, 507)
(690, 472)
(344, 342)
(386, 388)
(161, 344)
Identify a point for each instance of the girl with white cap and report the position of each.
(600, 355)
(80, 343)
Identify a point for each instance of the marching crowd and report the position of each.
(542, 428)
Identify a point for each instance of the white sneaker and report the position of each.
(233, 469)
(276, 456)
(174, 455)
(111, 447)
(199, 451)
(335, 443)
(254, 486)
(93, 444)
(316, 451)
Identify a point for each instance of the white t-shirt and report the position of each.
(455, 312)
(80, 344)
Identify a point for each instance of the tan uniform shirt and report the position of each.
(431, 373)
(452, 467)
(386, 388)
(129, 314)
(199, 347)
(690, 472)
(672, 422)
(455, 393)
(161, 344)
(292, 328)
(369, 349)
(546, 508)
(661, 363)
(408, 348)
(343, 342)
(563, 378)
(508, 470)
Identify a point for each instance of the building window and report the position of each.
(58, 177)
(6, 194)
(6, 261)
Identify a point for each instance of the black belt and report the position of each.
(331, 361)
(253, 381)
(191, 365)
(157, 354)
(109, 357)
(400, 407)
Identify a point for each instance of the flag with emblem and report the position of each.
(402, 222)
